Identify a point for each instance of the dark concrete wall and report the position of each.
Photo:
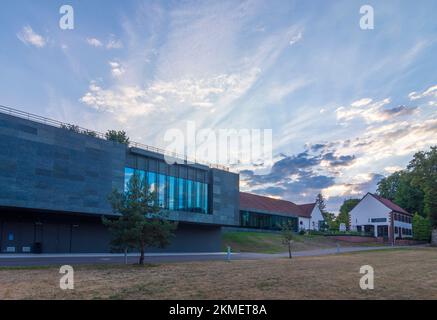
(50, 168)
(65, 233)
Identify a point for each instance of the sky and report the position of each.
(346, 106)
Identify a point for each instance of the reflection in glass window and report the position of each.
(128, 173)
(265, 221)
(198, 206)
(161, 191)
(189, 195)
(181, 194)
(171, 192)
(151, 181)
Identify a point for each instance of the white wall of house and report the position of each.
(316, 217)
(304, 223)
(313, 222)
(369, 208)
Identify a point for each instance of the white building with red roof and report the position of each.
(381, 218)
(311, 217)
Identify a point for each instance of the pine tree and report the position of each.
(141, 222)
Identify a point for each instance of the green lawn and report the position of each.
(272, 242)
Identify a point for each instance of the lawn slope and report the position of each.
(261, 242)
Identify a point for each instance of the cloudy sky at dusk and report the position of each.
(346, 106)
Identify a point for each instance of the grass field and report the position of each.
(408, 273)
(272, 242)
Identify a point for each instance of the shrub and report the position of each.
(117, 136)
(421, 228)
(70, 127)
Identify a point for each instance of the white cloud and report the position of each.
(296, 38)
(362, 102)
(114, 44)
(28, 36)
(372, 112)
(430, 92)
(130, 101)
(94, 42)
(117, 69)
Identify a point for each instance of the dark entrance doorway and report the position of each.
(383, 231)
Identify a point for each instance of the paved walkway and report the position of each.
(101, 258)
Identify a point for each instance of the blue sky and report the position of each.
(347, 106)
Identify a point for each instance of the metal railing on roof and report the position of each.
(96, 134)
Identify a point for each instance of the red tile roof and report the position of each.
(307, 209)
(389, 204)
(254, 202)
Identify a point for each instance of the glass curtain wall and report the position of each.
(174, 193)
(256, 220)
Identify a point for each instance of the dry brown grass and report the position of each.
(399, 274)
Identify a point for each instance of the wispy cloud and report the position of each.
(372, 111)
(30, 37)
(431, 92)
(94, 42)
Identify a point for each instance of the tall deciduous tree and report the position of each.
(346, 207)
(388, 186)
(141, 222)
(423, 168)
(321, 203)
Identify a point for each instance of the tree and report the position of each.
(287, 235)
(346, 207)
(387, 187)
(421, 228)
(320, 202)
(408, 196)
(117, 136)
(141, 222)
(71, 127)
(330, 221)
(423, 169)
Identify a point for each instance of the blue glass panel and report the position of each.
(128, 173)
(171, 192)
(205, 198)
(189, 195)
(161, 191)
(181, 191)
(198, 197)
(151, 181)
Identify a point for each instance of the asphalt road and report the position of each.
(77, 259)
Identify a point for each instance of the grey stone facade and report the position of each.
(55, 172)
(45, 167)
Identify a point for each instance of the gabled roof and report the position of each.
(307, 209)
(389, 204)
(254, 202)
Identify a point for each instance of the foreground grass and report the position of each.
(272, 242)
(399, 274)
